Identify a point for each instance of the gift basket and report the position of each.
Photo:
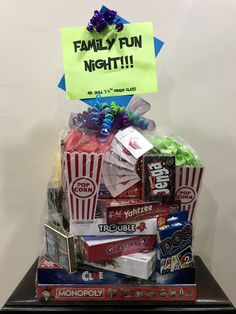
(122, 197)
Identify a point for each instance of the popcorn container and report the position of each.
(83, 172)
(188, 182)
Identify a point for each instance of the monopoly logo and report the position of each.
(83, 187)
(126, 246)
(159, 178)
(186, 195)
(129, 228)
(90, 276)
(79, 293)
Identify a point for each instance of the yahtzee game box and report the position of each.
(122, 197)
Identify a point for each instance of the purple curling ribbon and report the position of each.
(109, 16)
(100, 21)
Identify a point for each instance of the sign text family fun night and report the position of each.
(109, 63)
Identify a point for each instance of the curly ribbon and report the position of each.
(184, 156)
(103, 117)
(100, 21)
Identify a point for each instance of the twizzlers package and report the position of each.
(83, 179)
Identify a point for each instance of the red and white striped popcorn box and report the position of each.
(187, 187)
(83, 173)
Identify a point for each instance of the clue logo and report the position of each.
(83, 187)
(186, 195)
(90, 276)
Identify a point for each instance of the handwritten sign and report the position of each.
(109, 63)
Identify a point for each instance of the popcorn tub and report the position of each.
(187, 187)
(83, 180)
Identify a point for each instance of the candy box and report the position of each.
(158, 173)
(188, 183)
(95, 249)
(123, 210)
(100, 227)
(174, 244)
(140, 265)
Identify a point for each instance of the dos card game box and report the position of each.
(174, 244)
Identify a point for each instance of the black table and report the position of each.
(211, 298)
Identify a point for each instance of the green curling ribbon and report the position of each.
(171, 147)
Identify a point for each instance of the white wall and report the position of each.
(197, 98)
